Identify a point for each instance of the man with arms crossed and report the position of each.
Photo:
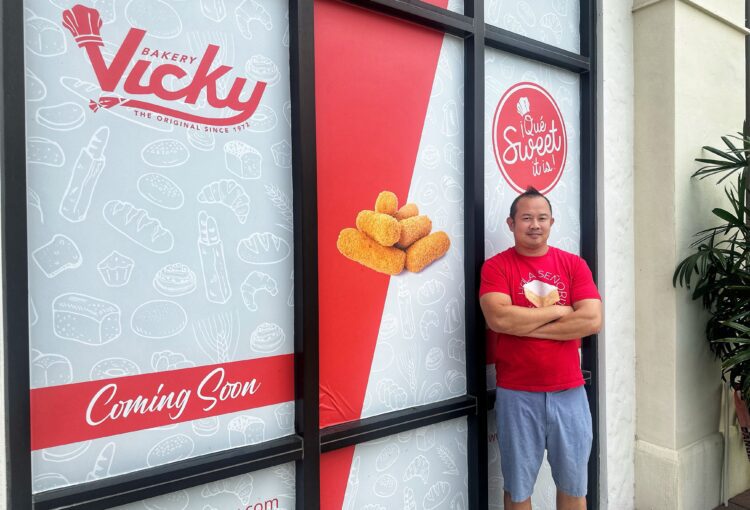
(541, 301)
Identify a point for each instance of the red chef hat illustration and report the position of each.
(84, 23)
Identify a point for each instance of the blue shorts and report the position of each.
(529, 422)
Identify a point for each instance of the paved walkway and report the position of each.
(739, 502)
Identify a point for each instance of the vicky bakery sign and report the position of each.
(160, 271)
(150, 97)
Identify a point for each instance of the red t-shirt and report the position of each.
(558, 277)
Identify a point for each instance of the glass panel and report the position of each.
(268, 489)
(391, 336)
(532, 137)
(159, 232)
(555, 22)
(540, 147)
(422, 468)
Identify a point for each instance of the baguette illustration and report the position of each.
(381, 227)
(211, 249)
(357, 246)
(427, 250)
(86, 171)
(138, 226)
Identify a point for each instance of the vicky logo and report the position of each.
(85, 25)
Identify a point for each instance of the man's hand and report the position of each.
(585, 320)
(504, 317)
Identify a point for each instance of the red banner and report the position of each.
(77, 412)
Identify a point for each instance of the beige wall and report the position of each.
(689, 90)
(616, 255)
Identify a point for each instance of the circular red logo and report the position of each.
(528, 137)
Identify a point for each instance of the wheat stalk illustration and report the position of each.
(281, 201)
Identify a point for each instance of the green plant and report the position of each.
(718, 269)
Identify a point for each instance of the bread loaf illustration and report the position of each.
(44, 152)
(58, 255)
(242, 160)
(43, 37)
(85, 319)
(263, 248)
(138, 226)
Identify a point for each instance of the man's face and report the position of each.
(531, 224)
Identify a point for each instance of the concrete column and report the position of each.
(689, 90)
(616, 264)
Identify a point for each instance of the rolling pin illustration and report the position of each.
(214, 266)
(88, 167)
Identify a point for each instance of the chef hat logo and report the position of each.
(84, 23)
(523, 107)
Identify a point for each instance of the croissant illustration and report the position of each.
(255, 282)
(229, 193)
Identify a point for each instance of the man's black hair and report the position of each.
(531, 192)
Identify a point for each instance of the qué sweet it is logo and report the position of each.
(85, 24)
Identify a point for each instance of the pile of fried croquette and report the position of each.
(390, 239)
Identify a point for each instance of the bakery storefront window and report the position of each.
(160, 243)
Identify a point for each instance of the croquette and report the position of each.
(413, 229)
(386, 203)
(359, 247)
(407, 211)
(427, 250)
(383, 228)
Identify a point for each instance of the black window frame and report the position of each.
(309, 441)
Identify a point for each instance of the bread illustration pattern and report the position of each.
(229, 193)
(541, 294)
(263, 248)
(131, 278)
(44, 151)
(85, 319)
(256, 282)
(160, 190)
(58, 255)
(138, 226)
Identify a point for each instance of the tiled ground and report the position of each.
(739, 502)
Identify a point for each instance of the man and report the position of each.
(541, 301)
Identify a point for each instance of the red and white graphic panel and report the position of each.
(420, 354)
(159, 232)
(555, 22)
(268, 489)
(389, 164)
(422, 468)
(390, 198)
